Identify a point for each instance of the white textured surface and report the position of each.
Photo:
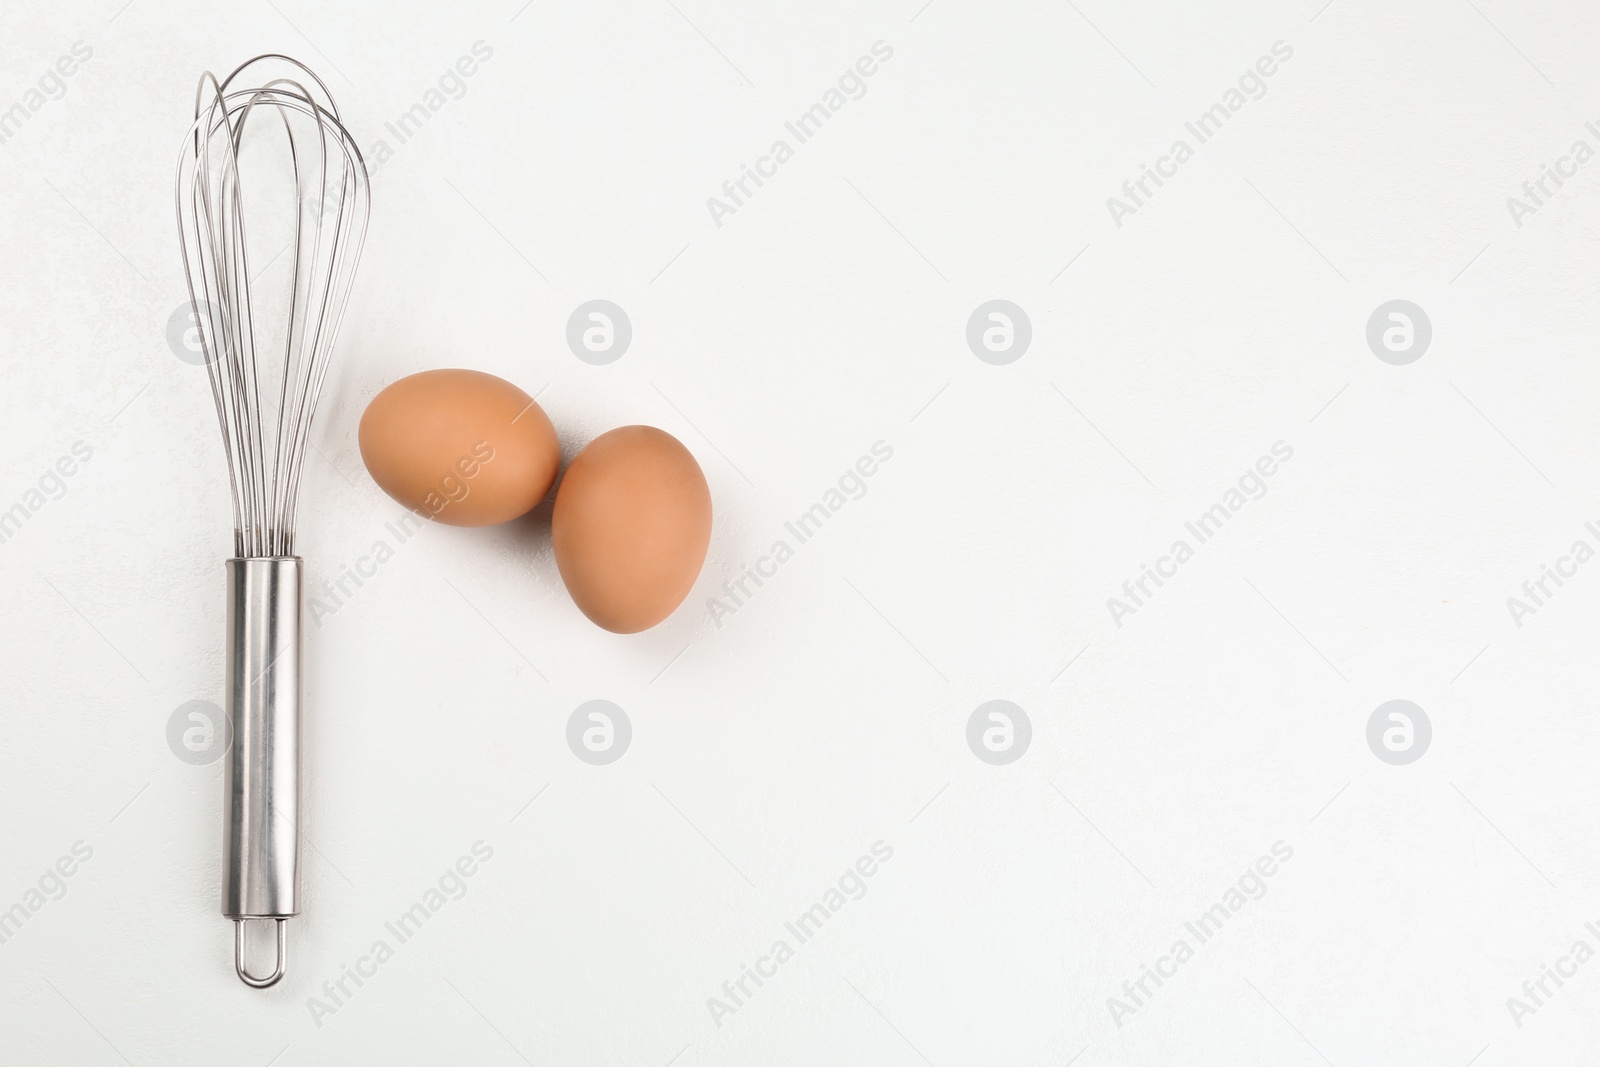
(829, 712)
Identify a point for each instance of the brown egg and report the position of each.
(631, 527)
(459, 446)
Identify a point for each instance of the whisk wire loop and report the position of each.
(266, 393)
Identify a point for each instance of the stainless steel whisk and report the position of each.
(266, 368)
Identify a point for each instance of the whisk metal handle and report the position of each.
(261, 791)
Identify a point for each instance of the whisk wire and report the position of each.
(265, 442)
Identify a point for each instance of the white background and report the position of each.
(830, 712)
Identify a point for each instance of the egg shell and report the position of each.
(459, 446)
(631, 526)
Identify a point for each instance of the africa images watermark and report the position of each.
(450, 886)
(448, 87)
(451, 85)
(852, 85)
(1252, 85)
(452, 488)
(51, 885)
(51, 85)
(852, 485)
(1537, 592)
(1537, 992)
(51, 485)
(1537, 192)
(1252, 885)
(1137, 592)
(851, 885)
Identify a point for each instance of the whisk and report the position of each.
(266, 363)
